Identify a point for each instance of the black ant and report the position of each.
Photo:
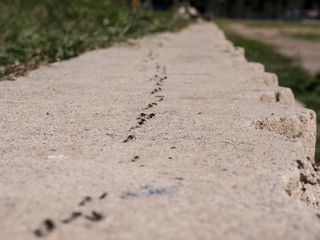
(141, 122)
(136, 158)
(49, 225)
(95, 217)
(152, 115)
(150, 105)
(129, 138)
(73, 216)
(103, 195)
(83, 202)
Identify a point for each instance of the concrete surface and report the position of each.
(226, 155)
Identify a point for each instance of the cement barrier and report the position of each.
(175, 136)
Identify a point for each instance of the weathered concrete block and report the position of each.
(301, 127)
(272, 95)
(176, 137)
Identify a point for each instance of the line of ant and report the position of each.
(143, 117)
(48, 225)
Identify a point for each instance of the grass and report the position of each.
(306, 36)
(34, 32)
(305, 86)
(280, 24)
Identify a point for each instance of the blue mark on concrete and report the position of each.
(149, 190)
(130, 194)
(158, 191)
(224, 169)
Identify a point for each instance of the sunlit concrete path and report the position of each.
(176, 136)
(306, 51)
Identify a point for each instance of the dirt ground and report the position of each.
(308, 52)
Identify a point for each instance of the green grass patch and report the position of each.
(306, 36)
(305, 86)
(34, 32)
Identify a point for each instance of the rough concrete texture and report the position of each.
(186, 139)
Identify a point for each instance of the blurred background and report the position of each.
(253, 9)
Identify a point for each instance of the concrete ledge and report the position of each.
(176, 137)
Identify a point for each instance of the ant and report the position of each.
(129, 138)
(86, 199)
(73, 216)
(136, 158)
(95, 217)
